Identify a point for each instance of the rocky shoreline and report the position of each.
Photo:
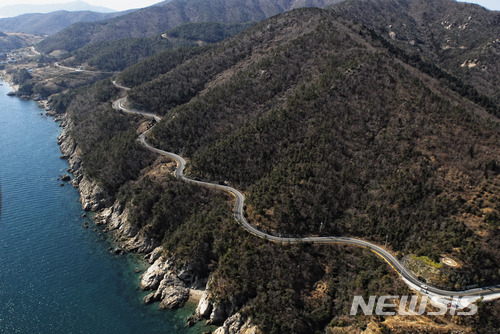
(42, 103)
(169, 286)
(4, 76)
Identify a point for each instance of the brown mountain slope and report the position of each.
(461, 38)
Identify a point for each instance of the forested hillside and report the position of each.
(329, 129)
(160, 18)
(120, 54)
(110, 152)
(330, 134)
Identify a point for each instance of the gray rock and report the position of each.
(141, 242)
(150, 298)
(154, 254)
(204, 308)
(190, 321)
(174, 296)
(219, 313)
(151, 279)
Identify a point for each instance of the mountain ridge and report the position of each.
(20, 9)
(328, 133)
(162, 17)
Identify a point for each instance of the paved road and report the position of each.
(488, 293)
(120, 86)
(73, 69)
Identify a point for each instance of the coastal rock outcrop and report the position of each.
(141, 243)
(173, 292)
(204, 308)
(237, 324)
(151, 279)
(168, 286)
(126, 234)
(154, 255)
(92, 196)
(170, 290)
(220, 312)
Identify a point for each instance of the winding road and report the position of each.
(466, 296)
(73, 69)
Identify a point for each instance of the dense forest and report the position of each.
(156, 65)
(350, 109)
(209, 32)
(330, 129)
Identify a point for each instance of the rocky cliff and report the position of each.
(92, 196)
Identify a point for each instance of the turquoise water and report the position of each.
(56, 276)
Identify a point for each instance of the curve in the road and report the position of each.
(486, 294)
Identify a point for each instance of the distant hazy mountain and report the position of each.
(50, 23)
(169, 14)
(15, 10)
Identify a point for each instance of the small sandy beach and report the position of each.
(195, 295)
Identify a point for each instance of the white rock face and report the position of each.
(128, 236)
(140, 243)
(151, 279)
(154, 254)
(470, 63)
(173, 292)
(219, 313)
(169, 288)
(92, 197)
(204, 308)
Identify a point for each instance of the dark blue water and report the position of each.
(55, 276)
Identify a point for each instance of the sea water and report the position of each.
(55, 275)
